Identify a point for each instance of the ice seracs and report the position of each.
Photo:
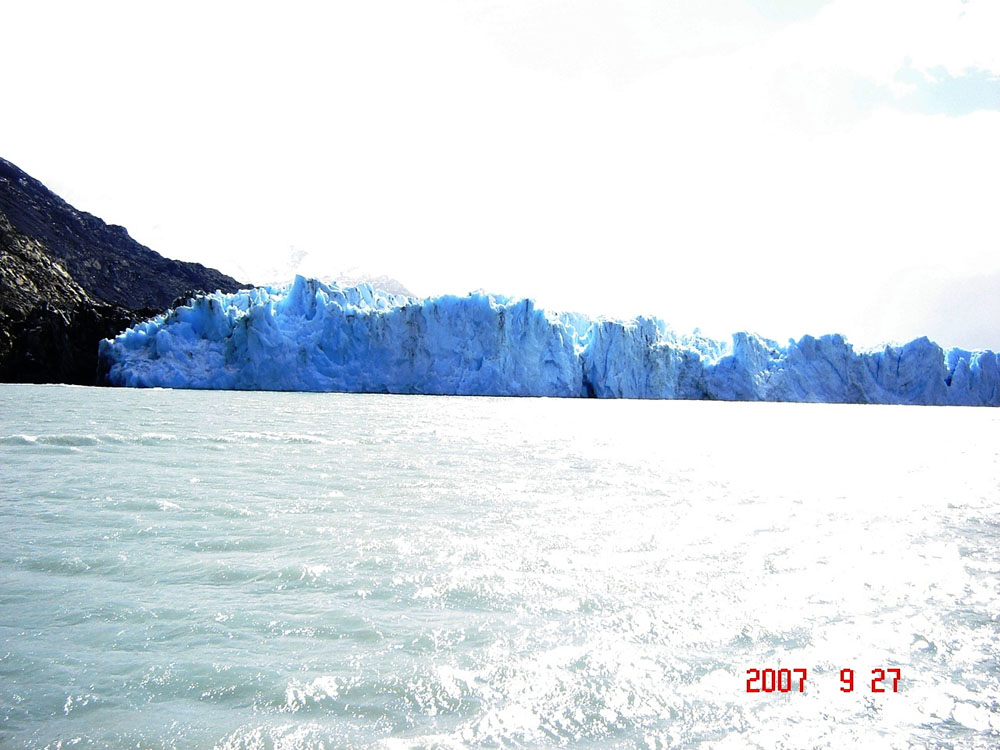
(311, 336)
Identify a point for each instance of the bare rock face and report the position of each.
(67, 280)
(54, 345)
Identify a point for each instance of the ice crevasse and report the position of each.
(311, 336)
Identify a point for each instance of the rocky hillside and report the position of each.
(102, 258)
(67, 280)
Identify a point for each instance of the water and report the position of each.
(256, 570)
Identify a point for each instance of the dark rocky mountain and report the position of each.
(101, 257)
(67, 280)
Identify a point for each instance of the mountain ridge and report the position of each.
(103, 258)
(68, 280)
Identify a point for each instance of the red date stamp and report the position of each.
(794, 680)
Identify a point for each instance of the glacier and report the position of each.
(312, 336)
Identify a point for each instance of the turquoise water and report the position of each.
(267, 570)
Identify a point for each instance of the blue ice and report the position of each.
(311, 336)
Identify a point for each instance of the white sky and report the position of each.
(778, 166)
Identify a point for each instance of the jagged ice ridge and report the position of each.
(311, 336)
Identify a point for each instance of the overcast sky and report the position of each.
(787, 167)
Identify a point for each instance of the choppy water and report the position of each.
(254, 570)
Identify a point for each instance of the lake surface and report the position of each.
(184, 569)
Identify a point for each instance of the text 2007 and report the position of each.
(790, 680)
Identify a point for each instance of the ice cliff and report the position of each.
(311, 336)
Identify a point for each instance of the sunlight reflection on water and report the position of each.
(411, 572)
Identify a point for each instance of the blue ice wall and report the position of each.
(311, 336)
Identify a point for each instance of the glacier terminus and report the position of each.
(312, 336)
